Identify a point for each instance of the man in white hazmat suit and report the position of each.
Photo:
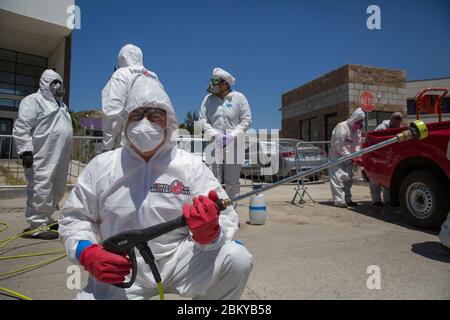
(43, 137)
(130, 66)
(345, 139)
(147, 182)
(225, 115)
(376, 189)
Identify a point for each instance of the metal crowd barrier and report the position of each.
(282, 158)
(309, 154)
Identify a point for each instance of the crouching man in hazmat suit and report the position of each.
(345, 139)
(43, 137)
(146, 182)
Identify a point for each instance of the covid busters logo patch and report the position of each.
(176, 187)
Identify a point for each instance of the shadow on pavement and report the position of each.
(387, 214)
(431, 250)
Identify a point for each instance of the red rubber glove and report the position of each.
(358, 161)
(202, 217)
(103, 265)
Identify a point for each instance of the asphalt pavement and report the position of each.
(308, 251)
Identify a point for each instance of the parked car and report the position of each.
(193, 145)
(308, 155)
(417, 173)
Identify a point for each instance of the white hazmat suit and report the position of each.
(232, 116)
(44, 127)
(115, 93)
(345, 140)
(120, 191)
(376, 189)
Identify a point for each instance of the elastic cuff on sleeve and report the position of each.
(83, 244)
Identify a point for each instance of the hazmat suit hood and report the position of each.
(130, 56)
(48, 76)
(222, 74)
(147, 92)
(357, 115)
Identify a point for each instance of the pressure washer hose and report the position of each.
(16, 272)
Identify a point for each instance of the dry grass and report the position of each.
(10, 178)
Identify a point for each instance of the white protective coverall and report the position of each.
(230, 115)
(115, 93)
(344, 140)
(444, 235)
(120, 191)
(44, 127)
(376, 189)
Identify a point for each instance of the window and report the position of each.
(446, 105)
(309, 129)
(25, 90)
(27, 80)
(314, 129)
(411, 104)
(6, 88)
(7, 103)
(7, 77)
(7, 66)
(30, 70)
(7, 55)
(331, 120)
(31, 60)
(19, 76)
(305, 130)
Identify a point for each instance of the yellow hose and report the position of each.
(16, 294)
(16, 272)
(161, 290)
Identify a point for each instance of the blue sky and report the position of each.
(269, 46)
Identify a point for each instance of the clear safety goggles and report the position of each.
(215, 81)
(152, 114)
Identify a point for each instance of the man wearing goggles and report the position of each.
(225, 115)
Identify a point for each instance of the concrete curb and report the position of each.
(19, 191)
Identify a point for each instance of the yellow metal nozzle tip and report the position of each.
(421, 128)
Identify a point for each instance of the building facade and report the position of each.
(33, 37)
(416, 86)
(311, 111)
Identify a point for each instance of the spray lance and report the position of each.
(126, 242)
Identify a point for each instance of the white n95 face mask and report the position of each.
(145, 135)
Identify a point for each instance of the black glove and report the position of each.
(27, 159)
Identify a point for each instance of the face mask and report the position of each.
(214, 89)
(57, 90)
(357, 126)
(145, 135)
